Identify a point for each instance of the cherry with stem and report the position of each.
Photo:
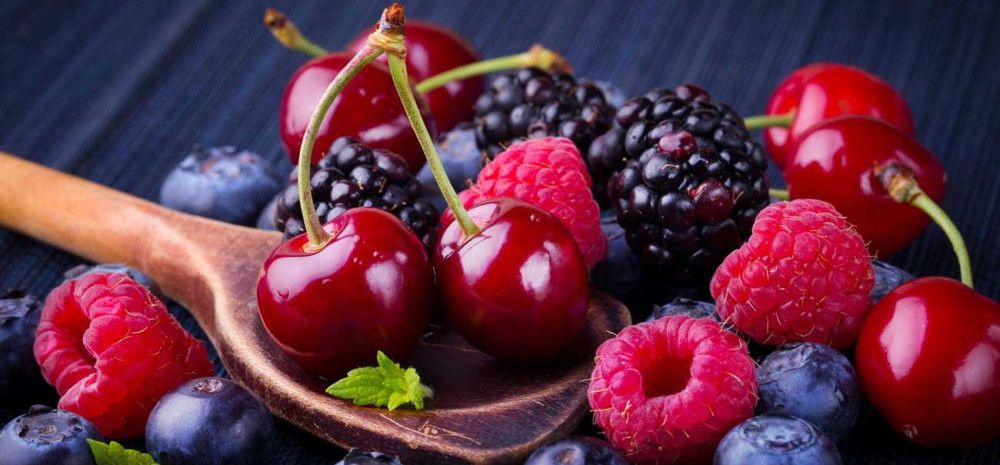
(315, 293)
(491, 286)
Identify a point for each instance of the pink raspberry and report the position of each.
(550, 174)
(668, 390)
(111, 350)
(804, 275)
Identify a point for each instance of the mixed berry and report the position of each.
(515, 258)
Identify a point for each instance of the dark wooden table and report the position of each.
(117, 92)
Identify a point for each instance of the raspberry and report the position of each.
(804, 276)
(550, 174)
(111, 350)
(668, 390)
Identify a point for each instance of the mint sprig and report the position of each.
(116, 454)
(387, 385)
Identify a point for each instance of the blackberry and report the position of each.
(533, 103)
(685, 179)
(352, 175)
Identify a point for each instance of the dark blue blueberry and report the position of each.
(209, 421)
(45, 436)
(136, 275)
(577, 450)
(357, 457)
(887, 278)
(813, 382)
(19, 374)
(685, 306)
(461, 159)
(615, 95)
(266, 219)
(773, 440)
(221, 183)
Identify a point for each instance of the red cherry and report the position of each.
(824, 90)
(369, 288)
(368, 109)
(928, 358)
(518, 289)
(835, 160)
(432, 49)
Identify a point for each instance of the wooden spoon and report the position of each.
(483, 411)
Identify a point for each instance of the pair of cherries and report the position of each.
(509, 276)
(928, 354)
(837, 125)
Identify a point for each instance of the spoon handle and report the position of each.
(186, 255)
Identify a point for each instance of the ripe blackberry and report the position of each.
(533, 103)
(685, 178)
(353, 175)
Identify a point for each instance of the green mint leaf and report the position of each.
(386, 385)
(116, 454)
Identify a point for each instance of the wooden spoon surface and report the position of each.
(483, 411)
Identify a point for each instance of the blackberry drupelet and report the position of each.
(352, 175)
(533, 103)
(685, 178)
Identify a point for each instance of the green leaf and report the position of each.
(115, 454)
(386, 385)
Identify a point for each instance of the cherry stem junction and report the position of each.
(391, 38)
(901, 184)
(285, 31)
(767, 121)
(537, 56)
(314, 229)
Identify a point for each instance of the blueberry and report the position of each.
(576, 450)
(813, 382)
(221, 183)
(266, 219)
(684, 306)
(887, 278)
(19, 374)
(773, 440)
(46, 436)
(357, 457)
(136, 275)
(209, 421)
(461, 159)
(619, 274)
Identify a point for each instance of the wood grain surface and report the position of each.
(118, 92)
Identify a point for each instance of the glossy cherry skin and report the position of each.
(835, 161)
(822, 91)
(928, 358)
(368, 109)
(517, 290)
(370, 288)
(432, 49)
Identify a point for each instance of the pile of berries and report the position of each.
(363, 267)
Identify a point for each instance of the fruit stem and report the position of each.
(901, 184)
(314, 229)
(284, 30)
(391, 37)
(537, 56)
(780, 194)
(766, 121)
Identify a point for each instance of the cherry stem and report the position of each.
(314, 229)
(902, 186)
(766, 121)
(391, 38)
(780, 194)
(537, 56)
(285, 31)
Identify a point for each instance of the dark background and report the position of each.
(118, 91)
